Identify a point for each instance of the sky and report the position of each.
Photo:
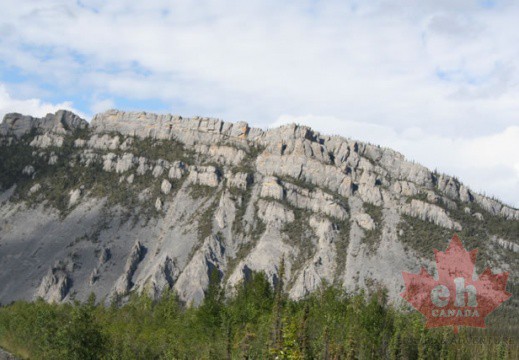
(436, 80)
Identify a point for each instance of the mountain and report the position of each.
(144, 202)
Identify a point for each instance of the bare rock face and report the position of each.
(163, 276)
(405, 188)
(28, 170)
(274, 213)
(226, 211)
(34, 189)
(109, 161)
(54, 286)
(62, 122)
(177, 170)
(94, 276)
(188, 131)
(511, 246)
(301, 168)
(165, 187)
(239, 180)
(139, 202)
(101, 142)
(316, 201)
(74, 197)
(125, 163)
(159, 168)
(124, 283)
(430, 213)
(206, 175)
(47, 140)
(323, 265)
(53, 159)
(143, 166)
(222, 154)
(271, 188)
(195, 278)
(365, 221)
(494, 207)
(158, 204)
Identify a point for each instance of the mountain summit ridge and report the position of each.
(144, 202)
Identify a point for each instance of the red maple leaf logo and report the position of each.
(457, 297)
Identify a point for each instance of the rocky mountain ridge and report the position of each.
(146, 202)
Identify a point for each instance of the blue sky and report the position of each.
(434, 79)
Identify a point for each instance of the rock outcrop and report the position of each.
(139, 202)
(54, 285)
(62, 122)
(124, 283)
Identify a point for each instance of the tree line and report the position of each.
(258, 321)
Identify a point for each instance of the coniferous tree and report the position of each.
(325, 324)
(279, 299)
(304, 339)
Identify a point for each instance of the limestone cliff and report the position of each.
(144, 202)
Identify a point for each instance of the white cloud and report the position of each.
(34, 107)
(488, 164)
(368, 61)
(99, 106)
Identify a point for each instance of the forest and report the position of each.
(256, 321)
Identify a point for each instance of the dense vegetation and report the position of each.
(257, 323)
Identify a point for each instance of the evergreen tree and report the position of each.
(257, 322)
(279, 299)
